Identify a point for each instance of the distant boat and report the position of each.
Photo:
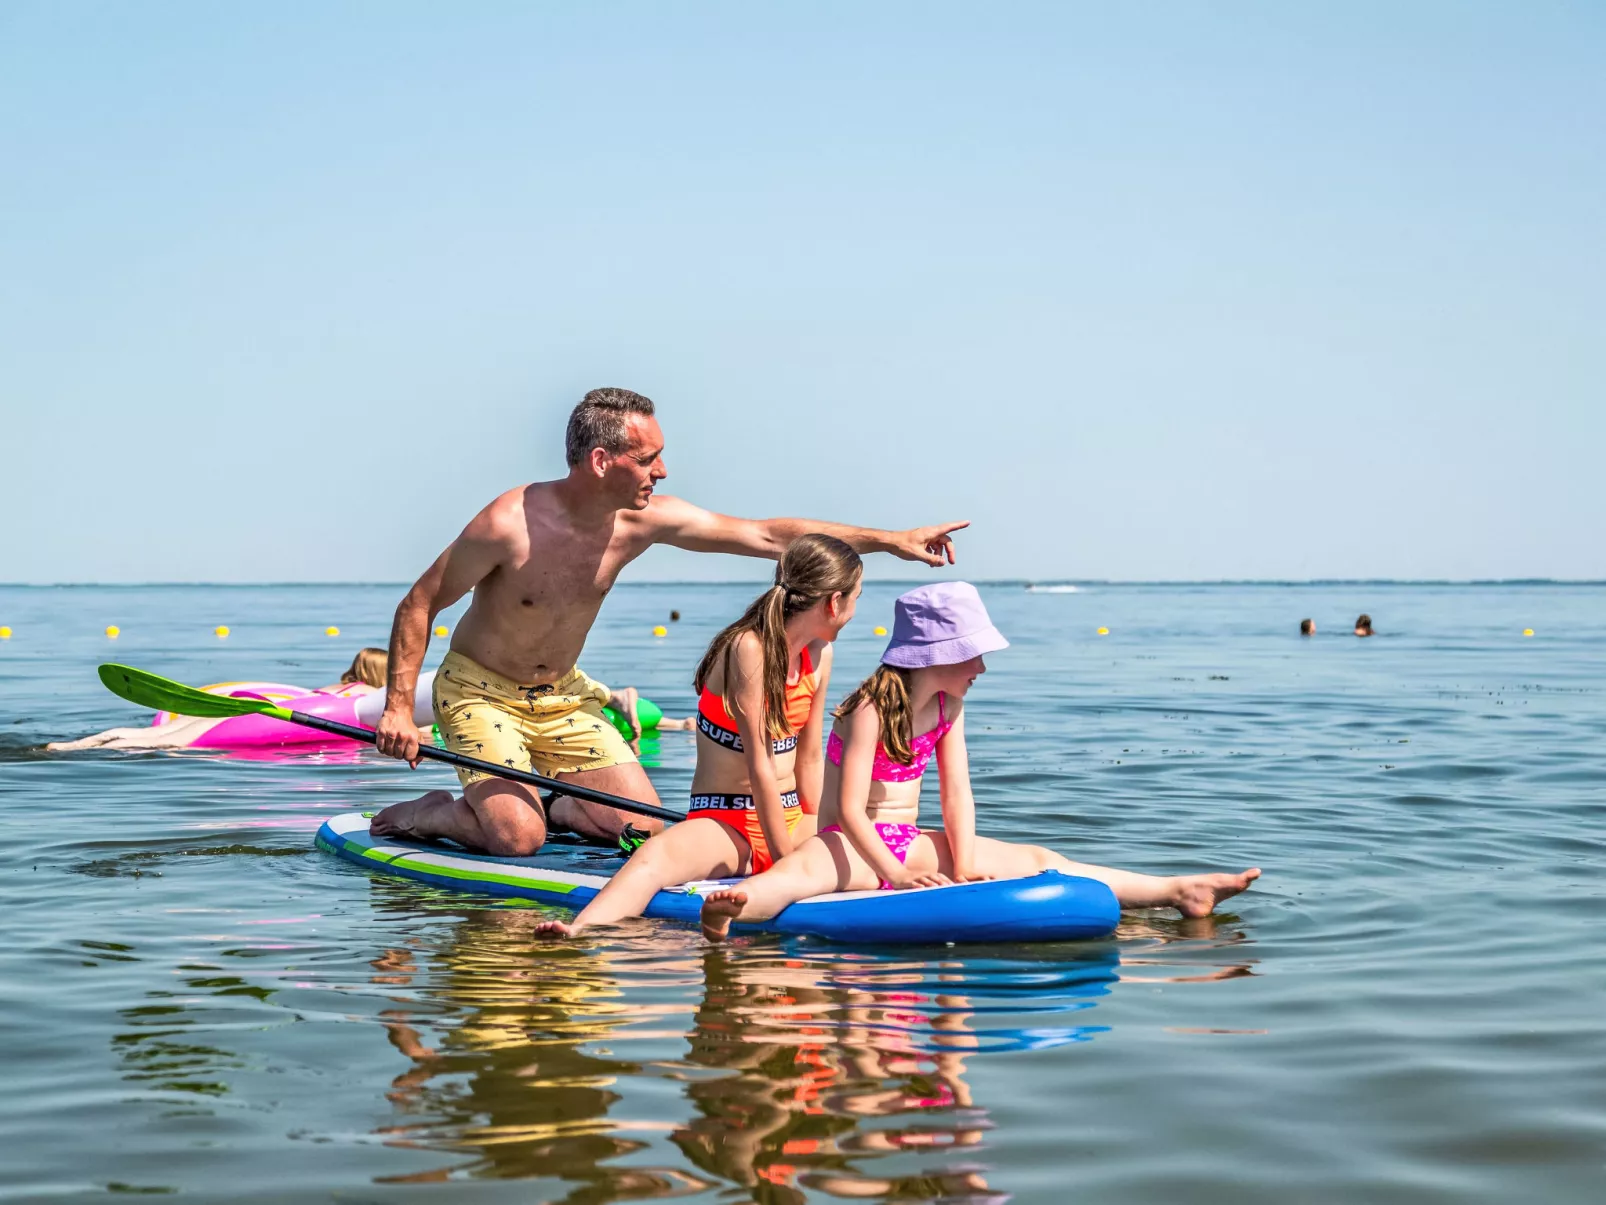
(1033, 588)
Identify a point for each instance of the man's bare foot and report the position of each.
(401, 819)
(719, 909)
(1198, 894)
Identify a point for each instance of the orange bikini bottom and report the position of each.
(740, 814)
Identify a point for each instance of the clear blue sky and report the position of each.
(1146, 291)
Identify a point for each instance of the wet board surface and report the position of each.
(1045, 907)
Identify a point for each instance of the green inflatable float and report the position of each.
(647, 712)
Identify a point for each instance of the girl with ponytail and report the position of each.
(870, 834)
(760, 723)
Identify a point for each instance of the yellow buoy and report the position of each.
(660, 630)
(442, 630)
(880, 631)
(1527, 631)
(331, 631)
(221, 630)
(1104, 631)
(5, 633)
(114, 631)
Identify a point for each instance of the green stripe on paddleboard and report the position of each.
(402, 861)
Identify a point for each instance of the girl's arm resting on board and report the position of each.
(958, 804)
(747, 695)
(809, 768)
(863, 729)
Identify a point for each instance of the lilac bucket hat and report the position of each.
(942, 624)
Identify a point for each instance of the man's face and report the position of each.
(630, 476)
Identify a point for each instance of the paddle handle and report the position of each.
(573, 790)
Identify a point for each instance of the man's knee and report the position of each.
(514, 845)
(511, 824)
(512, 831)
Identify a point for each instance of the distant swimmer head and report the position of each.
(1363, 626)
(615, 445)
(816, 591)
(1307, 627)
(369, 666)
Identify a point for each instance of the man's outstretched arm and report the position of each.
(679, 523)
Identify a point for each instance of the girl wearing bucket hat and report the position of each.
(886, 733)
(760, 720)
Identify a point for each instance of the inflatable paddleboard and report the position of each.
(1046, 907)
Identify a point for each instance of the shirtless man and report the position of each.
(540, 559)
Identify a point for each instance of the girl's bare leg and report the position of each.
(1189, 894)
(699, 848)
(827, 862)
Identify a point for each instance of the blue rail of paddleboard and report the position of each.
(1046, 907)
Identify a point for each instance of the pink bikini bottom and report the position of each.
(897, 838)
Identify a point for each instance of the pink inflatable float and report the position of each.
(354, 703)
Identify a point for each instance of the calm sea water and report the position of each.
(1410, 1007)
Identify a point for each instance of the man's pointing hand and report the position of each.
(933, 545)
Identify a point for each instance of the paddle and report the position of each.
(164, 694)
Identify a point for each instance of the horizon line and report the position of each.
(981, 581)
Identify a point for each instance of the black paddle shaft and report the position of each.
(573, 790)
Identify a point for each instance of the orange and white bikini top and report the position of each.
(716, 723)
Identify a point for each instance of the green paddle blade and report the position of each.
(164, 694)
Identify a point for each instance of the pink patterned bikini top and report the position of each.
(921, 747)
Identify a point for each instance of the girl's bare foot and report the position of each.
(401, 819)
(719, 909)
(1198, 894)
(555, 928)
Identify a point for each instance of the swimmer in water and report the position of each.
(624, 700)
(1307, 627)
(365, 677)
(760, 723)
(1363, 626)
(886, 733)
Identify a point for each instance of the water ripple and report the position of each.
(1406, 1009)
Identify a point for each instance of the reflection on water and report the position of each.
(797, 1066)
(783, 1066)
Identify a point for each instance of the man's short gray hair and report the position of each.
(599, 422)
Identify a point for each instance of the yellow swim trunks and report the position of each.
(554, 729)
